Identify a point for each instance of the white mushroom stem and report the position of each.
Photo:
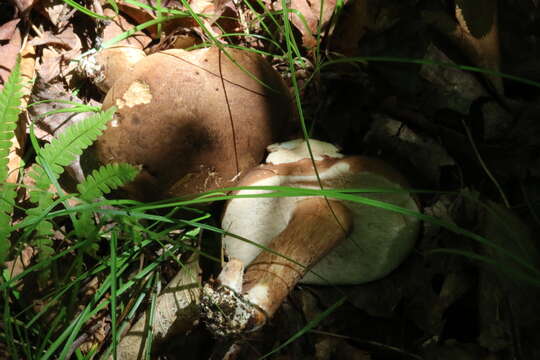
(315, 228)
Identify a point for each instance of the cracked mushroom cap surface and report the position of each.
(193, 120)
(380, 239)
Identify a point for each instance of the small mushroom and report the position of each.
(341, 242)
(193, 120)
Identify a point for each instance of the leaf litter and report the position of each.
(448, 129)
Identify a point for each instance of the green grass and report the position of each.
(135, 230)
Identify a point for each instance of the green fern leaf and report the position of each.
(101, 181)
(63, 150)
(105, 179)
(10, 102)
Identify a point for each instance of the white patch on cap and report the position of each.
(138, 93)
(259, 294)
(296, 150)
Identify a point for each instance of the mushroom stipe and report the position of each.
(312, 239)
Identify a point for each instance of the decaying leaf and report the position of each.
(451, 88)
(22, 262)
(309, 17)
(394, 139)
(118, 25)
(7, 30)
(363, 16)
(59, 49)
(176, 311)
(57, 11)
(67, 39)
(24, 5)
(8, 55)
(52, 97)
(475, 33)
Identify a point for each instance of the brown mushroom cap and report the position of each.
(380, 238)
(309, 239)
(109, 64)
(193, 120)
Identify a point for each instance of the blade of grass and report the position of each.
(113, 269)
(86, 11)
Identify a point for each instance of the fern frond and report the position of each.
(10, 102)
(51, 160)
(63, 150)
(105, 179)
(101, 181)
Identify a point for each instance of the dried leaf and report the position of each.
(7, 30)
(57, 62)
(394, 139)
(8, 56)
(307, 23)
(453, 350)
(118, 25)
(305, 16)
(67, 39)
(57, 11)
(478, 19)
(24, 5)
(50, 126)
(475, 33)
(49, 65)
(449, 88)
(176, 310)
(22, 262)
(352, 27)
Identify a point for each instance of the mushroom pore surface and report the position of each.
(379, 241)
(193, 120)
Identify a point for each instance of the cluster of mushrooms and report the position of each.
(204, 119)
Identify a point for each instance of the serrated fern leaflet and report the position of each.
(106, 179)
(10, 102)
(61, 152)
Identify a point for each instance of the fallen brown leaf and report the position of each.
(307, 23)
(475, 32)
(307, 17)
(21, 262)
(8, 56)
(67, 39)
(8, 29)
(61, 48)
(118, 25)
(57, 11)
(24, 5)
(176, 310)
(352, 28)
(46, 128)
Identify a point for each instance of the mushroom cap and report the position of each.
(380, 239)
(193, 120)
(114, 62)
(121, 58)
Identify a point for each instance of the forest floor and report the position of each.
(447, 91)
